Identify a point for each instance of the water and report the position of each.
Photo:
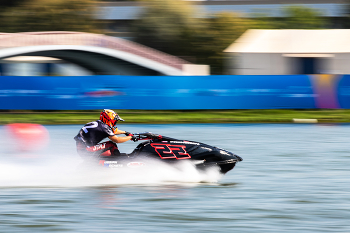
(294, 178)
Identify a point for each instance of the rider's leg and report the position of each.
(81, 149)
(104, 149)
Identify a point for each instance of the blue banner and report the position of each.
(159, 92)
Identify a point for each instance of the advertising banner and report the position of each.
(174, 92)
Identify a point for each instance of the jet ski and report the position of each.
(170, 150)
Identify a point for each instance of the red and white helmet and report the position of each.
(110, 117)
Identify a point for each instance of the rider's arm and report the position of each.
(119, 139)
(119, 132)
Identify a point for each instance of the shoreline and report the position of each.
(313, 116)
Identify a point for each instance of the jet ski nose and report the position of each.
(226, 155)
(238, 158)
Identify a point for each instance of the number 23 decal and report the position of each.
(168, 151)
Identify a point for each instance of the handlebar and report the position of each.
(147, 136)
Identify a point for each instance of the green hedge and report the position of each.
(165, 117)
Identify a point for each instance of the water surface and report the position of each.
(294, 178)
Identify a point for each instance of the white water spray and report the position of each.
(58, 165)
(68, 171)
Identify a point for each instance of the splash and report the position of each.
(71, 172)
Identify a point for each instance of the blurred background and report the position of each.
(215, 52)
(199, 32)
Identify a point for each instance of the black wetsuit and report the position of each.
(90, 135)
(94, 132)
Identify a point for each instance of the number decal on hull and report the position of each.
(168, 151)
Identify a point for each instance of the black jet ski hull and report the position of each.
(224, 166)
(144, 162)
(115, 162)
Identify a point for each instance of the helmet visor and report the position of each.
(118, 118)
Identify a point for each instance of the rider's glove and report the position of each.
(128, 134)
(134, 138)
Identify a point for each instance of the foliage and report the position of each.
(294, 17)
(167, 25)
(221, 30)
(300, 17)
(178, 28)
(193, 116)
(10, 3)
(174, 27)
(48, 15)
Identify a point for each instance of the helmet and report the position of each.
(110, 117)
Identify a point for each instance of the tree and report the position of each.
(178, 28)
(301, 17)
(49, 15)
(345, 20)
(10, 3)
(293, 17)
(167, 25)
(221, 30)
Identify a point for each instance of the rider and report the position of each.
(92, 133)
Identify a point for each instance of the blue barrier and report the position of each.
(170, 92)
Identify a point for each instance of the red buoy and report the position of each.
(28, 137)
